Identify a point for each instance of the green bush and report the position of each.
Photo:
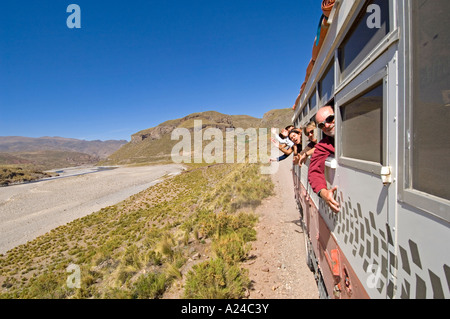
(149, 286)
(46, 286)
(231, 248)
(216, 279)
(215, 225)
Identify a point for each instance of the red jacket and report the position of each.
(316, 172)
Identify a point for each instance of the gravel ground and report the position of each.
(30, 210)
(278, 268)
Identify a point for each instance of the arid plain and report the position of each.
(30, 210)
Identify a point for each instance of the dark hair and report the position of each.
(294, 131)
(288, 127)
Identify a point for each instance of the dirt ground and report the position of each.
(277, 267)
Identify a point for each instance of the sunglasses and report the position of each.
(328, 120)
(310, 132)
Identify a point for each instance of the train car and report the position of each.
(384, 66)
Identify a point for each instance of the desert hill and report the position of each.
(155, 144)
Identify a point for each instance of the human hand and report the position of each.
(328, 196)
(275, 142)
(302, 159)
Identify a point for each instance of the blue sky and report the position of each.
(134, 64)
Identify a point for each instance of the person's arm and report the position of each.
(287, 151)
(279, 139)
(316, 175)
(316, 171)
(296, 159)
(302, 159)
(297, 148)
(328, 196)
(310, 151)
(282, 157)
(277, 144)
(304, 155)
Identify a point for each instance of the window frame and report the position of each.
(433, 205)
(391, 37)
(353, 27)
(354, 90)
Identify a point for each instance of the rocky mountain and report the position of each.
(155, 144)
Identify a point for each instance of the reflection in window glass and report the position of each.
(431, 97)
(326, 85)
(365, 35)
(362, 127)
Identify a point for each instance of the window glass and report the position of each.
(431, 97)
(362, 126)
(305, 110)
(369, 29)
(326, 85)
(312, 101)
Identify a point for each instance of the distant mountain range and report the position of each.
(54, 152)
(100, 149)
(155, 144)
(147, 146)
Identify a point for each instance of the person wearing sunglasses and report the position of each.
(323, 149)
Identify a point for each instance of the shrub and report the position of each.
(46, 286)
(131, 257)
(149, 286)
(215, 279)
(231, 248)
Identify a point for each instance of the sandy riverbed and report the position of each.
(30, 210)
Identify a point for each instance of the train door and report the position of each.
(367, 162)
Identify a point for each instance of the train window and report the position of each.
(326, 85)
(305, 110)
(361, 127)
(430, 145)
(312, 101)
(369, 29)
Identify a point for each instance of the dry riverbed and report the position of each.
(30, 210)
